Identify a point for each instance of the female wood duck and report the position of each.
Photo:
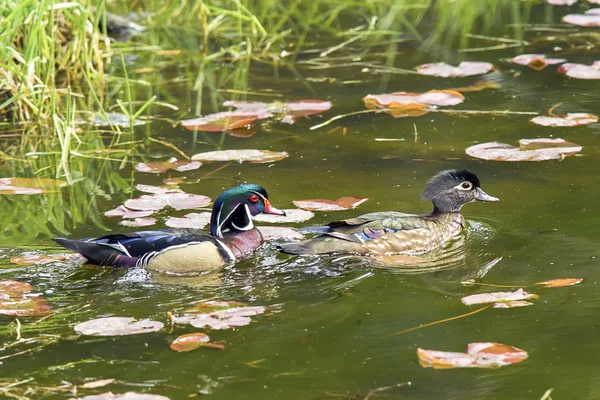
(232, 237)
(392, 232)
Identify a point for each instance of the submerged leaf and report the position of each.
(190, 342)
(225, 121)
(29, 185)
(279, 232)
(465, 68)
(138, 222)
(42, 259)
(117, 326)
(561, 282)
(581, 71)
(403, 104)
(124, 396)
(17, 301)
(97, 384)
(289, 110)
(252, 155)
(191, 220)
(343, 203)
(164, 166)
(511, 304)
(571, 119)
(125, 213)
(537, 61)
(483, 298)
(116, 119)
(477, 87)
(478, 355)
(167, 188)
(529, 150)
(561, 2)
(292, 215)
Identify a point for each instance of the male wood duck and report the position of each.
(391, 232)
(232, 237)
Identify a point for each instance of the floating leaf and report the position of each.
(561, 2)
(117, 326)
(124, 396)
(176, 199)
(465, 68)
(225, 121)
(252, 155)
(537, 61)
(289, 110)
(190, 342)
(589, 20)
(511, 304)
(164, 166)
(529, 150)
(191, 220)
(138, 222)
(172, 181)
(482, 298)
(478, 355)
(581, 71)
(167, 188)
(278, 232)
(125, 213)
(17, 301)
(292, 215)
(116, 119)
(553, 283)
(219, 315)
(343, 203)
(403, 104)
(97, 384)
(29, 185)
(571, 119)
(42, 259)
(477, 87)
(594, 11)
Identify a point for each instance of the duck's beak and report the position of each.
(269, 209)
(483, 196)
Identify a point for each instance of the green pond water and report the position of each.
(328, 321)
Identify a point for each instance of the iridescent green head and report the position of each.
(233, 210)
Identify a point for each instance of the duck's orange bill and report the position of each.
(269, 209)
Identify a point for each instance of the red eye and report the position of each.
(254, 198)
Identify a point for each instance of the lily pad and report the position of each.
(529, 150)
(562, 282)
(190, 342)
(483, 298)
(172, 163)
(191, 220)
(138, 222)
(29, 185)
(225, 121)
(403, 104)
(292, 215)
(279, 232)
(343, 203)
(593, 11)
(167, 188)
(251, 155)
(125, 213)
(581, 71)
(289, 110)
(478, 355)
(219, 315)
(537, 61)
(571, 119)
(587, 20)
(124, 396)
(465, 68)
(117, 326)
(17, 301)
(175, 199)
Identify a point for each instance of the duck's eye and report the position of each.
(254, 198)
(466, 185)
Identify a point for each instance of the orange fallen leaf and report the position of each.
(478, 355)
(343, 203)
(562, 282)
(190, 342)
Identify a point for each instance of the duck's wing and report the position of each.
(135, 248)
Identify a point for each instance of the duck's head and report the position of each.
(235, 208)
(450, 189)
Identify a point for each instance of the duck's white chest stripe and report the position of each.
(226, 250)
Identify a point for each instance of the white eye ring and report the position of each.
(465, 186)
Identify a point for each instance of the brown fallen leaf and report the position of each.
(511, 304)
(343, 203)
(190, 341)
(537, 61)
(97, 384)
(29, 185)
(42, 259)
(570, 119)
(17, 301)
(478, 355)
(403, 104)
(561, 282)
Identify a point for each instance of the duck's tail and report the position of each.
(95, 253)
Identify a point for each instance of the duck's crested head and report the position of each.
(235, 207)
(450, 189)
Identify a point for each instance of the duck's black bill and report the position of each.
(483, 196)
